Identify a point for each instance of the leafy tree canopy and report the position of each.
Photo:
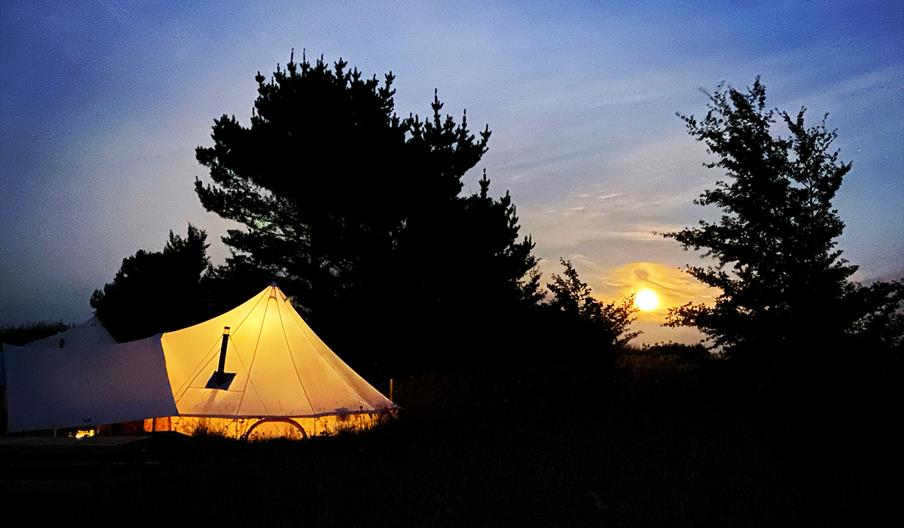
(609, 323)
(156, 291)
(784, 283)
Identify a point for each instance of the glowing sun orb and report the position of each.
(646, 300)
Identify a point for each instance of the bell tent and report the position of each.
(261, 361)
(257, 370)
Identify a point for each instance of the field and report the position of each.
(558, 447)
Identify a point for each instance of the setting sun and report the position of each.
(646, 300)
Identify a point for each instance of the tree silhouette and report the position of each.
(606, 325)
(156, 291)
(785, 290)
(358, 213)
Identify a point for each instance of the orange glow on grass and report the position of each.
(85, 433)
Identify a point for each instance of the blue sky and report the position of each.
(102, 105)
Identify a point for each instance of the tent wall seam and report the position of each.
(292, 358)
(253, 356)
(307, 332)
(200, 367)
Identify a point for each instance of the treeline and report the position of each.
(28, 332)
(158, 291)
(359, 215)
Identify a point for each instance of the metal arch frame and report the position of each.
(304, 434)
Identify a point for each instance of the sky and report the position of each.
(102, 105)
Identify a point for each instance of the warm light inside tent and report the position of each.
(85, 433)
(268, 428)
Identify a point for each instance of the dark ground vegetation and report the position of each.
(654, 445)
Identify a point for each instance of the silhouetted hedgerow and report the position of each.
(25, 333)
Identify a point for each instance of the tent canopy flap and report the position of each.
(70, 387)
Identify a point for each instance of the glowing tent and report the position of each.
(257, 370)
(274, 369)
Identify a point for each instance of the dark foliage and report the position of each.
(225, 287)
(583, 324)
(26, 333)
(359, 215)
(674, 372)
(156, 291)
(880, 323)
(787, 300)
(572, 298)
(506, 448)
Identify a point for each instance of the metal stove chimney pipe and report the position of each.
(222, 365)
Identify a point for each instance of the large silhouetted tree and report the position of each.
(786, 293)
(358, 213)
(157, 291)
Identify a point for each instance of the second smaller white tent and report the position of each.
(91, 333)
(85, 386)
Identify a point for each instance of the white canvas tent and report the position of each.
(276, 371)
(88, 334)
(50, 388)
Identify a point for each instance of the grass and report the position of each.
(553, 447)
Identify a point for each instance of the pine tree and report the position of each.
(359, 213)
